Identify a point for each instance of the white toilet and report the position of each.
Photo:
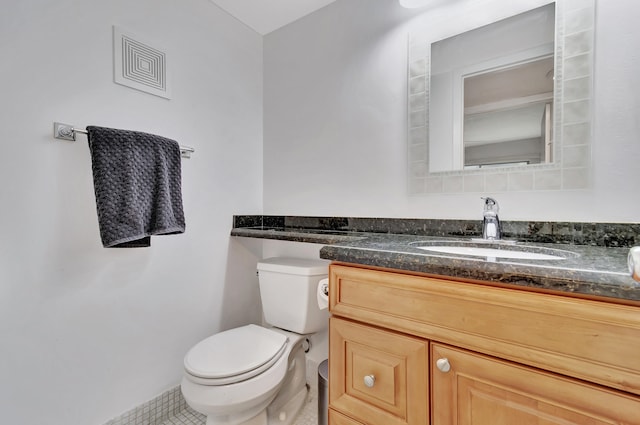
(254, 375)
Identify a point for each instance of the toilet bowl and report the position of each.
(255, 375)
(244, 390)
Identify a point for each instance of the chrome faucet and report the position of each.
(491, 228)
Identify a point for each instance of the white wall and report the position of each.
(335, 114)
(86, 332)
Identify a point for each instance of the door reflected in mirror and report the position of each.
(508, 115)
(492, 94)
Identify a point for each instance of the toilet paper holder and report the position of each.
(323, 294)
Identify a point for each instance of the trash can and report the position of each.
(323, 392)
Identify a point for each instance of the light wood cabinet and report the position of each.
(507, 356)
(483, 390)
(378, 376)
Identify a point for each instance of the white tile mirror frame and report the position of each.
(573, 105)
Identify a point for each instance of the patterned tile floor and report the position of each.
(187, 416)
(308, 415)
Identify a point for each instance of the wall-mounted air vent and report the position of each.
(138, 65)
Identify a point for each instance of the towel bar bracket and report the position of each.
(64, 131)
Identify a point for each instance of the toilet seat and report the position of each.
(234, 355)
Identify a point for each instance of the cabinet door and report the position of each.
(471, 389)
(377, 377)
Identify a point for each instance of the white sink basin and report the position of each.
(494, 250)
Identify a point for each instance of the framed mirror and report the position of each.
(503, 106)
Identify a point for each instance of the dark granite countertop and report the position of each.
(589, 270)
(593, 271)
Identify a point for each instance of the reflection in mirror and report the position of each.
(498, 81)
(510, 112)
(508, 115)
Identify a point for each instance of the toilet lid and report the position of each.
(242, 352)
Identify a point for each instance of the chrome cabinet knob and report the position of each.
(369, 381)
(443, 365)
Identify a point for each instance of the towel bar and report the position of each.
(68, 132)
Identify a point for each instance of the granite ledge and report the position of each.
(297, 235)
(597, 271)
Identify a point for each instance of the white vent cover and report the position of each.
(138, 65)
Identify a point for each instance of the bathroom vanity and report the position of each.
(415, 349)
(429, 337)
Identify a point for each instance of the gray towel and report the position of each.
(137, 182)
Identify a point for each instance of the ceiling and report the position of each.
(264, 16)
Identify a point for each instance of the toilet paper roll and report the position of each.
(323, 294)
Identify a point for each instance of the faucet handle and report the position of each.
(490, 204)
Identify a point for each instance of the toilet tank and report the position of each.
(288, 291)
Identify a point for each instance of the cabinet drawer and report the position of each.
(336, 418)
(377, 376)
(471, 389)
(590, 340)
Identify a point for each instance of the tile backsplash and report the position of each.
(596, 234)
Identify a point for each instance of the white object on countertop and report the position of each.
(634, 262)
